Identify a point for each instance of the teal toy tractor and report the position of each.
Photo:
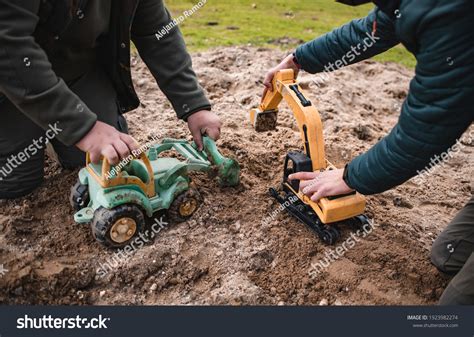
(116, 200)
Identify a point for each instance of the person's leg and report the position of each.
(97, 92)
(460, 290)
(22, 145)
(452, 254)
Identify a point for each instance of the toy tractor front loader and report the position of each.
(117, 199)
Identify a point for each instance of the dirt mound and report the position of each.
(226, 254)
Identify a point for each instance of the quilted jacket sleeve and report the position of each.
(348, 44)
(439, 107)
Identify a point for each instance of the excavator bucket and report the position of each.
(263, 120)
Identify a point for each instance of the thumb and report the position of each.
(213, 133)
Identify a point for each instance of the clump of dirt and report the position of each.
(265, 121)
(238, 249)
(363, 132)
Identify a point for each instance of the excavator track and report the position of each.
(329, 234)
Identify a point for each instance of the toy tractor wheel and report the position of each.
(117, 227)
(79, 197)
(184, 206)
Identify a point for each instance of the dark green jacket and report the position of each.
(440, 103)
(28, 32)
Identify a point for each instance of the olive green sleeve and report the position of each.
(27, 78)
(161, 45)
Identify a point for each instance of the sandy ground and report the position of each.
(224, 254)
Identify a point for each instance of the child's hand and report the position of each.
(318, 185)
(105, 140)
(206, 123)
(287, 63)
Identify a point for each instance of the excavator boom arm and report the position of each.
(306, 114)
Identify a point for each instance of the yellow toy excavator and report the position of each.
(324, 215)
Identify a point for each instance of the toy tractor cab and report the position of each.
(117, 199)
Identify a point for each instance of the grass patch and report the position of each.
(269, 23)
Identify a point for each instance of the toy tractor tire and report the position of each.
(117, 227)
(184, 206)
(79, 197)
